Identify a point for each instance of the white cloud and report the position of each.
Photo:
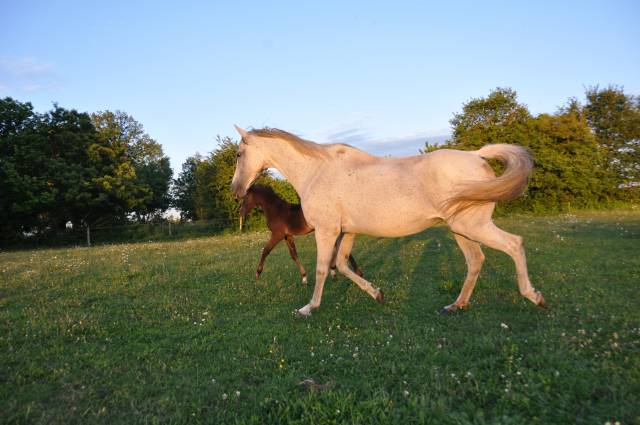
(36, 87)
(386, 146)
(26, 67)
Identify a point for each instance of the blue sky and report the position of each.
(383, 76)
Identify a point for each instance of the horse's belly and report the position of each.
(394, 230)
(388, 222)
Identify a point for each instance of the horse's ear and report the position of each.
(243, 133)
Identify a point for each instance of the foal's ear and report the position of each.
(243, 133)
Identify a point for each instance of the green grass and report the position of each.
(160, 332)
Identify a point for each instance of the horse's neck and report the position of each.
(295, 166)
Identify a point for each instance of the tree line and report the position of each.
(586, 155)
(65, 168)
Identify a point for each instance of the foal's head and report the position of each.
(256, 195)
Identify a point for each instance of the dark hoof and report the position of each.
(257, 275)
(380, 296)
(541, 302)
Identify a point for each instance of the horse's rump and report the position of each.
(509, 185)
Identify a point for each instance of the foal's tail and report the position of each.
(509, 185)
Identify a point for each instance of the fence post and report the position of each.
(88, 236)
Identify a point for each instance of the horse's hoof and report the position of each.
(257, 275)
(541, 302)
(380, 296)
(304, 311)
(304, 280)
(451, 309)
(333, 273)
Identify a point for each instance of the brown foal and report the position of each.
(284, 220)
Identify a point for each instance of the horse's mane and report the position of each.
(303, 146)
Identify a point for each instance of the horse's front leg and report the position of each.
(266, 250)
(325, 242)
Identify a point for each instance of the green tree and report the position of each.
(615, 119)
(139, 156)
(493, 119)
(184, 188)
(569, 168)
(25, 191)
(213, 197)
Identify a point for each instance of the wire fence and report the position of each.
(130, 232)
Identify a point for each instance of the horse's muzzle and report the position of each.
(238, 191)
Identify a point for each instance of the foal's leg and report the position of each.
(344, 252)
(275, 238)
(490, 235)
(294, 256)
(474, 258)
(325, 242)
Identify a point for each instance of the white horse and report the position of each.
(345, 191)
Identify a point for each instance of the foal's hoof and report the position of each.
(333, 273)
(304, 280)
(540, 301)
(380, 296)
(257, 275)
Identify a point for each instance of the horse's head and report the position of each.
(251, 161)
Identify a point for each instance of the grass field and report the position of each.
(180, 332)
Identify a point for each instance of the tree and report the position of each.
(25, 192)
(142, 157)
(184, 188)
(569, 169)
(493, 119)
(213, 197)
(615, 119)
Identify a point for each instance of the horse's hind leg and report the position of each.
(474, 258)
(342, 256)
(332, 267)
(294, 255)
(352, 261)
(355, 266)
(490, 235)
(266, 250)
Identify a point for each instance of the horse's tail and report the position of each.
(509, 185)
